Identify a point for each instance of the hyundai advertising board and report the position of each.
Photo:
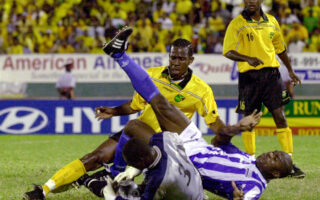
(78, 117)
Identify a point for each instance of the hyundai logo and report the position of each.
(22, 120)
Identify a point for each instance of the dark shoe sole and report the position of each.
(127, 31)
(300, 176)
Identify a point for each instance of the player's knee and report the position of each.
(92, 160)
(163, 105)
(283, 122)
(280, 121)
(131, 125)
(279, 118)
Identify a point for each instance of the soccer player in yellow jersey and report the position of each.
(253, 39)
(178, 84)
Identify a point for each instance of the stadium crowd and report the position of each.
(82, 26)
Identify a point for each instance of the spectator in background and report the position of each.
(66, 48)
(51, 21)
(118, 17)
(210, 43)
(218, 47)
(168, 6)
(223, 12)
(314, 8)
(299, 30)
(216, 22)
(315, 41)
(289, 17)
(47, 42)
(311, 22)
(184, 7)
(165, 21)
(296, 45)
(16, 48)
(66, 83)
(158, 46)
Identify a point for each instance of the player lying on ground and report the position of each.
(218, 166)
(170, 173)
(195, 96)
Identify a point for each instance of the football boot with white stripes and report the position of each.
(119, 43)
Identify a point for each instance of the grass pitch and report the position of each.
(34, 159)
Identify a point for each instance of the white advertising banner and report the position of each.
(92, 68)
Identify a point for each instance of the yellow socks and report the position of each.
(285, 139)
(66, 175)
(249, 141)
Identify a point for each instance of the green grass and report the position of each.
(34, 159)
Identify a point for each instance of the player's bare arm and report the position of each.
(234, 55)
(224, 134)
(105, 112)
(245, 124)
(285, 59)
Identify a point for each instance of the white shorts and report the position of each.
(192, 140)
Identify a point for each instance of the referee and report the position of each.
(253, 39)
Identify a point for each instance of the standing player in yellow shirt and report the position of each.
(253, 39)
(178, 84)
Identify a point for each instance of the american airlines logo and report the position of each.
(22, 120)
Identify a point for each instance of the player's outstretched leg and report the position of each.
(76, 169)
(140, 79)
(66, 175)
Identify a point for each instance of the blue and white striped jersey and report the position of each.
(219, 166)
(174, 176)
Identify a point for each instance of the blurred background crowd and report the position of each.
(82, 26)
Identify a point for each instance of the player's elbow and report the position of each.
(228, 54)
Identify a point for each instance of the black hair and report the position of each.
(183, 43)
(135, 149)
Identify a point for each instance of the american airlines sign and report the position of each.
(78, 117)
(98, 68)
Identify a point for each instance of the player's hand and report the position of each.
(237, 194)
(249, 122)
(294, 78)
(104, 112)
(253, 61)
(108, 191)
(129, 173)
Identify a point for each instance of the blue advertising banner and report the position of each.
(78, 117)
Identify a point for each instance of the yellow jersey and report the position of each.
(190, 95)
(262, 39)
